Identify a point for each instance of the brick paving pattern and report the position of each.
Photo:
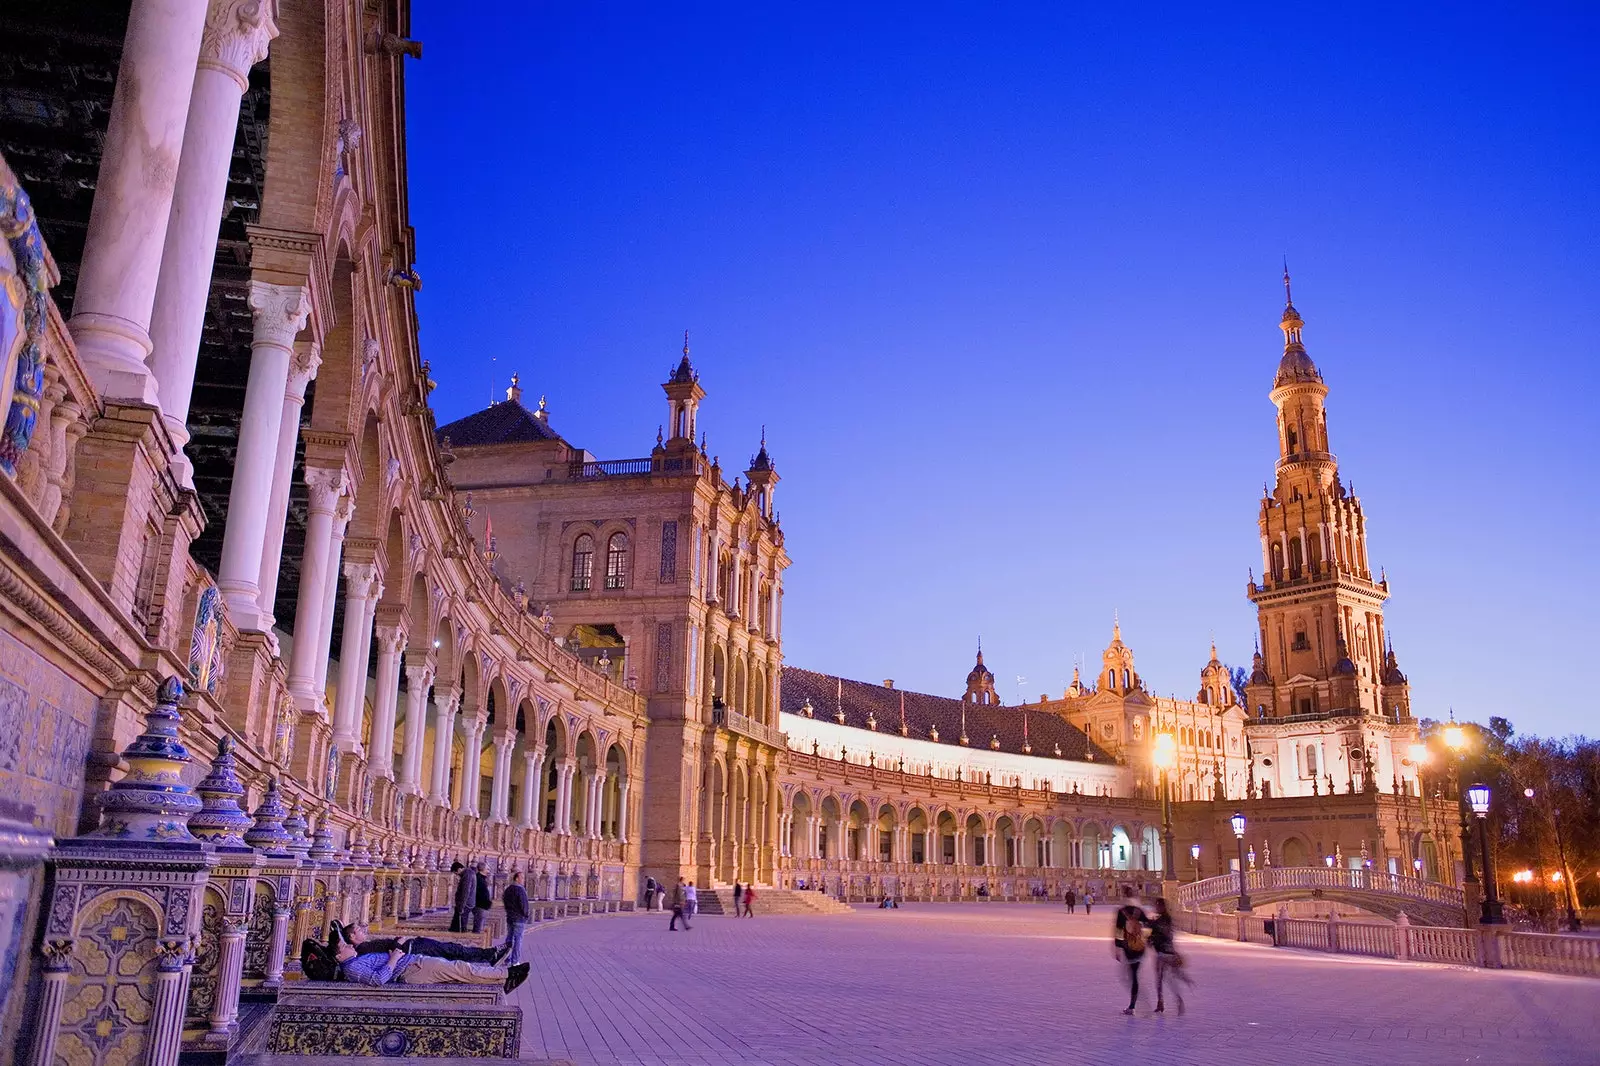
(999, 983)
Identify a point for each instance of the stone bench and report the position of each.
(394, 1021)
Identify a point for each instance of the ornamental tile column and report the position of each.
(360, 578)
(418, 678)
(139, 167)
(280, 313)
(324, 488)
(302, 369)
(391, 643)
(234, 40)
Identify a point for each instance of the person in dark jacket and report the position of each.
(466, 896)
(357, 936)
(515, 898)
(482, 899)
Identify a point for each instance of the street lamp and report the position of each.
(1165, 753)
(1419, 758)
(1478, 797)
(1455, 738)
(1194, 854)
(1238, 823)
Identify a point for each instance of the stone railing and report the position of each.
(1489, 946)
(856, 879)
(743, 724)
(891, 778)
(1319, 878)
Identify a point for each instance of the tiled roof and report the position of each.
(501, 423)
(923, 712)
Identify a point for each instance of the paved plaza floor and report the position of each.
(998, 983)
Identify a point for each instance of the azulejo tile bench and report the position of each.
(395, 1021)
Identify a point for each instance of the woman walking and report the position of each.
(1169, 964)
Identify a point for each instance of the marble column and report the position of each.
(280, 943)
(360, 578)
(235, 39)
(166, 1015)
(418, 678)
(566, 770)
(622, 810)
(444, 724)
(330, 593)
(325, 488)
(596, 822)
(500, 795)
(139, 166)
(472, 768)
(386, 695)
(280, 313)
(302, 369)
(57, 959)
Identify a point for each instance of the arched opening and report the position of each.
(977, 842)
(617, 561)
(828, 842)
(917, 827)
(883, 844)
(582, 563)
(855, 839)
(1091, 849)
(1121, 849)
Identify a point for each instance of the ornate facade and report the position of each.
(241, 567)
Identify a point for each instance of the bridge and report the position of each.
(1424, 902)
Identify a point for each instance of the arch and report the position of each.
(917, 835)
(1061, 845)
(122, 934)
(976, 850)
(618, 560)
(883, 842)
(585, 820)
(204, 977)
(1092, 847)
(581, 570)
(1034, 843)
(831, 819)
(857, 822)
(1295, 851)
(1122, 849)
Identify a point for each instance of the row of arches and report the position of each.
(859, 830)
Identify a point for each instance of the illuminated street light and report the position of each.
(1479, 797)
(1238, 823)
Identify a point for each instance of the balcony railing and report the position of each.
(743, 724)
(578, 470)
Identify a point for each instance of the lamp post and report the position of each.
(1164, 753)
(1238, 823)
(1478, 796)
(1455, 738)
(1194, 854)
(1419, 758)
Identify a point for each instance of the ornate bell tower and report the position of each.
(1319, 609)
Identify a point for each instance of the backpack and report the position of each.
(316, 962)
(1133, 935)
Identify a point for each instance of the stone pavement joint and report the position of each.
(939, 984)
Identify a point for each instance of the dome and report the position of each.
(1296, 366)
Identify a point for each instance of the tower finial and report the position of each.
(686, 344)
(1287, 298)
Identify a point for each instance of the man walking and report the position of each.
(516, 901)
(482, 900)
(679, 899)
(1072, 902)
(466, 895)
(1128, 944)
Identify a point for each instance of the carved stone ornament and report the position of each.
(281, 312)
(236, 35)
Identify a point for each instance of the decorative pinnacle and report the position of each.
(151, 804)
(686, 344)
(220, 821)
(1287, 298)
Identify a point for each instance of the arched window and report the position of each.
(617, 561)
(582, 563)
(1125, 683)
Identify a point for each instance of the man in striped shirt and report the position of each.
(403, 968)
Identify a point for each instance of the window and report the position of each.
(617, 561)
(1301, 643)
(582, 563)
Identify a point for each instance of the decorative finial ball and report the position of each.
(171, 691)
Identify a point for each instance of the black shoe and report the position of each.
(501, 955)
(516, 975)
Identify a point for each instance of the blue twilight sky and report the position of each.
(1002, 283)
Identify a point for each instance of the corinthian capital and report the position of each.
(360, 578)
(236, 35)
(303, 368)
(325, 485)
(281, 312)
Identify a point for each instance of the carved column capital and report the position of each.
(391, 639)
(303, 369)
(57, 955)
(420, 676)
(281, 312)
(360, 579)
(325, 486)
(235, 37)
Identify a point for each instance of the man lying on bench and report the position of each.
(407, 968)
(356, 935)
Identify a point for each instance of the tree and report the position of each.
(1238, 677)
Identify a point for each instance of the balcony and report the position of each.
(578, 470)
(744, 725)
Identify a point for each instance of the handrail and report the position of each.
(1281, 878)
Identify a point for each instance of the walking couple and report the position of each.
(1135, 931)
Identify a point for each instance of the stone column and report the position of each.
(471, 768)
(330, 592)
(391, 644)
(564, 797)
(501, 795)
(622, 810)
(302, 368)
(597, 806)
(418, 678)
(139, 167)
(230, 967)
(280, 313)
(444, 724)
(235, 39)
(531, 763)
(325, 488)
(360, 580)
(280, 943)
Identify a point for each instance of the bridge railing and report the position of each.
(1491, 946)
(1310, 878)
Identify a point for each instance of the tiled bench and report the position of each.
(394, 1021)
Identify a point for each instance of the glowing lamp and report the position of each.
(1238, 824)
(1194, 852)
(1478, 800)
(1455, 737)
(1165, 751)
